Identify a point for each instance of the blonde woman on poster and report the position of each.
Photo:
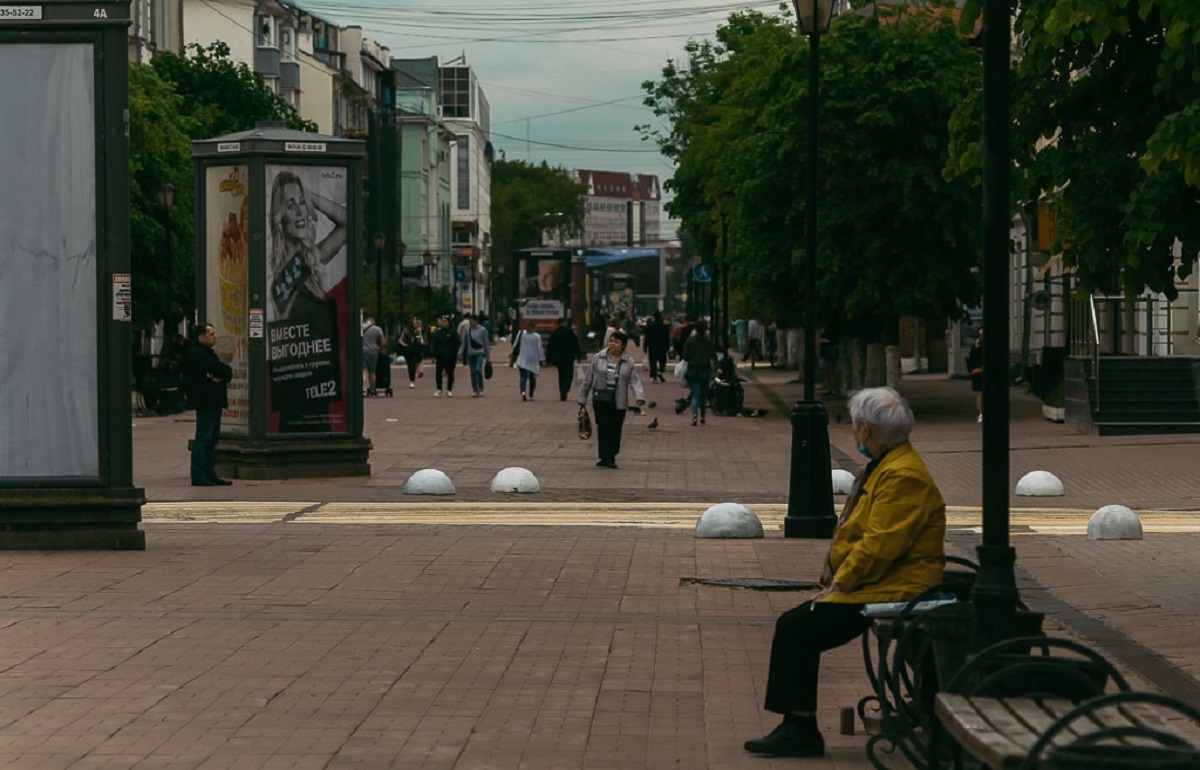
(297, 259)
(306, 276)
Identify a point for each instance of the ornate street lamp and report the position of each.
(810, 492)
(166, 202)
(430, 261)
(380, 242)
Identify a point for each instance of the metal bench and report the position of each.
(900, 665)
(1125, 730)
(1040, 702)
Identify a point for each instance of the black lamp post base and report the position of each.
(810, 491)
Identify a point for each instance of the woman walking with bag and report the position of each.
(528, 357)
(607, 381)
(412, 346)
(700, 355)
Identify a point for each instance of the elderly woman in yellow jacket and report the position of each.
(888, 546)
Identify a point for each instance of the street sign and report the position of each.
(702, 273)
(460, 276)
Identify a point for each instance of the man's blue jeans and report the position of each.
(204, 445)
(475, 362)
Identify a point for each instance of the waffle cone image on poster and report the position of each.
(232, 274)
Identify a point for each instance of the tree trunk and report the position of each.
(875, 371)
(894, 375)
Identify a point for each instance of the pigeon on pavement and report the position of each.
(653, 424)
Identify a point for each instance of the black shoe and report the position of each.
(789, 740)
(221, 482)
(203, 483)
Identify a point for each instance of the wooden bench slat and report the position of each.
(1039, 715)
(967, 725)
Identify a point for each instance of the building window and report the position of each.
(464, 171)
(266, 31)
(455, 91)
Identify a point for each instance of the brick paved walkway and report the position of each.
(430, 646)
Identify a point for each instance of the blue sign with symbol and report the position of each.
(702, 273)
(460, 276)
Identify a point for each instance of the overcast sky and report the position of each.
(563, 77)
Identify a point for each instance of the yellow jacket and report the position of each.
(891, 545)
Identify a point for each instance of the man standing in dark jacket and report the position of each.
(206, 379)
(563, 351)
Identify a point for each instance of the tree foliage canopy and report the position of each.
(526, 200)
(1106, 124)
(173, 101)
(895, 237)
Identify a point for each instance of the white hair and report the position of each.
(887, 413)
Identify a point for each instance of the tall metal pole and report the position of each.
(810, 491)
(810, 256)
(995, 593)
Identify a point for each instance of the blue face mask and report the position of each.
(865, 450)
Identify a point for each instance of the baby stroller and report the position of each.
(383, 374)
(726, 395)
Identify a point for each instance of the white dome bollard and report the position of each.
(842, 481)
(1040, 484)
(429, 481)
(1114, 522)
(729, 520)
(515, 480)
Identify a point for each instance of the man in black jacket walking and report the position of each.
(563, 351)
(206, 378)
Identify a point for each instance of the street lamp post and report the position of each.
(994, 597)
(430, 261)
(380, 241)
(166, 202)
(810, 492)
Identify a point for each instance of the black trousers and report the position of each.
(609, 422)
(445, 366)
(413, 361)
(801, 635)
(566, 375)
(658, 362)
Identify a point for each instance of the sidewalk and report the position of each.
(730, 458)
(295, 644)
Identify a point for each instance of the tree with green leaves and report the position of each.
(1106, 125)
(896, 239)
(528, 199)
(172, 101)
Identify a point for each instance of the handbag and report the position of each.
(681, 370)
(487, 370)
(604, 396)
(585, 424)
(516, 351)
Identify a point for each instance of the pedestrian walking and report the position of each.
(206, 378)
(372, 343)
(887, 547)
(700, 354)
(412, 347)
(443, 346)
(476, 350)
(771, 337)
(658, 340)
(528, 357)
(975, 368)
(753, 342)
(562, 350)
(606, 385)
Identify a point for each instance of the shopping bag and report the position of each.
(585, 424)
